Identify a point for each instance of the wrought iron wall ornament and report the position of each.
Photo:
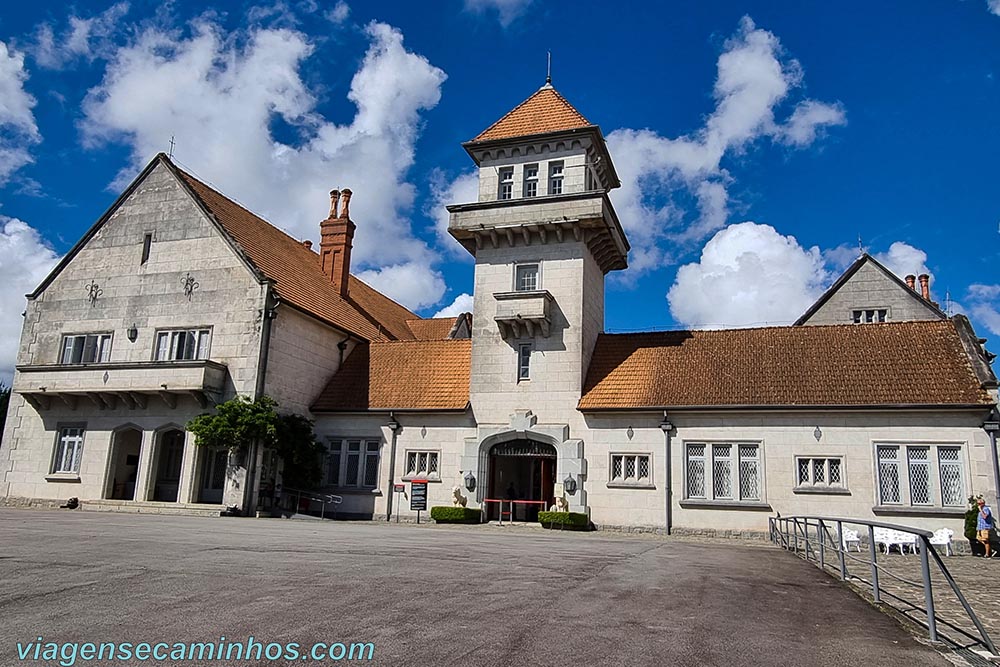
(190, 285)
(93, 292)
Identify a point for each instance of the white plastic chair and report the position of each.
(851, 537)
(942, 536)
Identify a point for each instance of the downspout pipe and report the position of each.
(992, 425)
(268, 313)
(395, 427)
(666, 427)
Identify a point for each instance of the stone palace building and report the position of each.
(872, 404)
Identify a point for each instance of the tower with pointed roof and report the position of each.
(544, 234)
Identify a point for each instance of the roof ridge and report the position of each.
(779, 327)
(219, 192)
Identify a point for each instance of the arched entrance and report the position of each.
(522, 470)
(124, 469)
(169, 459)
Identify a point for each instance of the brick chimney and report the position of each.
(336, 238)
(925, 286)
(911, 282)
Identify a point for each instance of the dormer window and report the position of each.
(526, 277)
(555, 178)
(506, 183)
(531, 180)
(870, 315)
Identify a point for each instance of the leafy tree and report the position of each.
(4, 402)
(240, 421)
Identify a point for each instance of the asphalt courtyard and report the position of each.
(432, 596)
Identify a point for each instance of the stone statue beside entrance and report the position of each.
(457, 499)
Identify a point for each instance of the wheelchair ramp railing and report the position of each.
(821, 540)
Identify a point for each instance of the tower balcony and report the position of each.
(581, 216)
(129, 384)
(523, 313)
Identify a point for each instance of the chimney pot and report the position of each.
(336, 239)
(925, 285)
(308, 244)
(345, 212)
(911, 282)
(334, 198)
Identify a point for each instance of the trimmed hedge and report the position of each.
(447, 514)
(574, 520)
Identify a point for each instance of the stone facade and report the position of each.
(155, 263)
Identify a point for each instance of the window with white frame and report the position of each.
(353, 463)
(86, 348)
(723, 471)
(506, 190)
(421, 465)
(69, 450)
(555, 178)
(530, 187)
(524, 361)
(928, 475)
(526, 277)
(870, 315)
(819, 472)
(631, 469)
(182, 344)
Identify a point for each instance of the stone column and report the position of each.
(189, 470)
(143, 476)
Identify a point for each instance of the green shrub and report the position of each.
(446, 514)
(567, 519)
(971, 518)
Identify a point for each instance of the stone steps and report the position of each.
(151, 507)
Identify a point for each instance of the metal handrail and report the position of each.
(785, 532)
(323, 498)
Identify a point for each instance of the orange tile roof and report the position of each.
(298, 273)
(401, 375)
(545, 111)
(902, 363)
(436, 328)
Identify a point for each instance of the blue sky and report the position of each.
(757, 140)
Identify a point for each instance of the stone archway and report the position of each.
(522, 471)
(123, 470)
(168, 463)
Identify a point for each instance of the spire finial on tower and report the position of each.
(548, 70)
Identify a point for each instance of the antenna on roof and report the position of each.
(548, 70)
(947, 303)
(172, 142)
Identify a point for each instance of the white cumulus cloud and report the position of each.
(903, 260)
(507, 11)
(661, 175)
(25, 259)
(993, 6)
(461, 304)
(339, 13)
(18, 131)
(220, 93)
(87, 38)
(463, 189)
(984, 306)
(748, 275)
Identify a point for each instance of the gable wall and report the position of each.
(871, 288)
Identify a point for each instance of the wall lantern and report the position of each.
(470, 481)
(394, 425)
(665, 424)
(569, 484)
(818, 434)
(992, 423)
(132, 333)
